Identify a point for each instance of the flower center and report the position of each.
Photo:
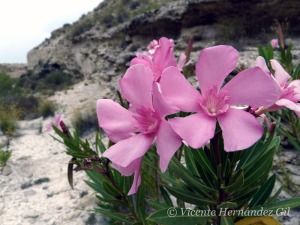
(289, 93)
(146, 121)
(214, 101)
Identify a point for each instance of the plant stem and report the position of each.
(215, 146)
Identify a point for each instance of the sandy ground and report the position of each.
(33, 186)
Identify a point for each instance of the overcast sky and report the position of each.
(24, 24)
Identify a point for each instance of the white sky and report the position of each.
(25, 24)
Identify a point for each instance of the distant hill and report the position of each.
(14, 70)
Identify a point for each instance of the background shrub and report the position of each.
(85, 122)
(4, 156)
(9, 117)
(47, 108)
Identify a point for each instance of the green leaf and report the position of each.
(292, 203)
(70, 172)
(190, 197)
(243, 194)
(291, 139)
(100, 144)
(230, 205)
(156, 205)
(178, 216)
(226, 221)
(249, 155)
(296, 74)
(190, 161)
(97, 184)
(261, 51)
(264, 192)
(115, 215)
(253, 154)
(236, 182)
(202, 160)
(275, 196)
(166, 196)
(140, 203)
(110, 189)
(259, 168)
(114, 202)
(189, 179)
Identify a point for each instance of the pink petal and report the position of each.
(168, 143)
(274, 43)
(129, 170)
(136, 85)
(179, 91)
(126, 151)
(296, 84)
(214, 64)
(181, 61)
(260, 62)
(195, 129)
(48, 127)
(240, 129)
(163, 56)
(142, 60)
(135, 168)
(281, 75)
(288, 104)
(117, 136)
(252, 87)
(160, 105)
(114, 119)
(136, 182)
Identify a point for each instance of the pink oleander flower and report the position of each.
(56, 123)
(274, 43)
(252, 87)
(136, 129)
(162, 58)
(153, 45)
(289, 91)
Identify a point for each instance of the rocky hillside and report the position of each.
(100, 43)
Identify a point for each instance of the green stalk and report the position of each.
(216, 150)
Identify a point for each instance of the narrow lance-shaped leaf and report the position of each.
(203, 161)
(70, 172)
(166, 196)
(115, 215)
(190, 197)
(264, 192)
(177, 216)
(292, 203)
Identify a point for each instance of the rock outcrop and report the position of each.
(100, 43)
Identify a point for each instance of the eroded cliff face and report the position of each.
(102, 42)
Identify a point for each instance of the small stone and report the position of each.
(29, 193)
(6, 170)
(32, 215)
